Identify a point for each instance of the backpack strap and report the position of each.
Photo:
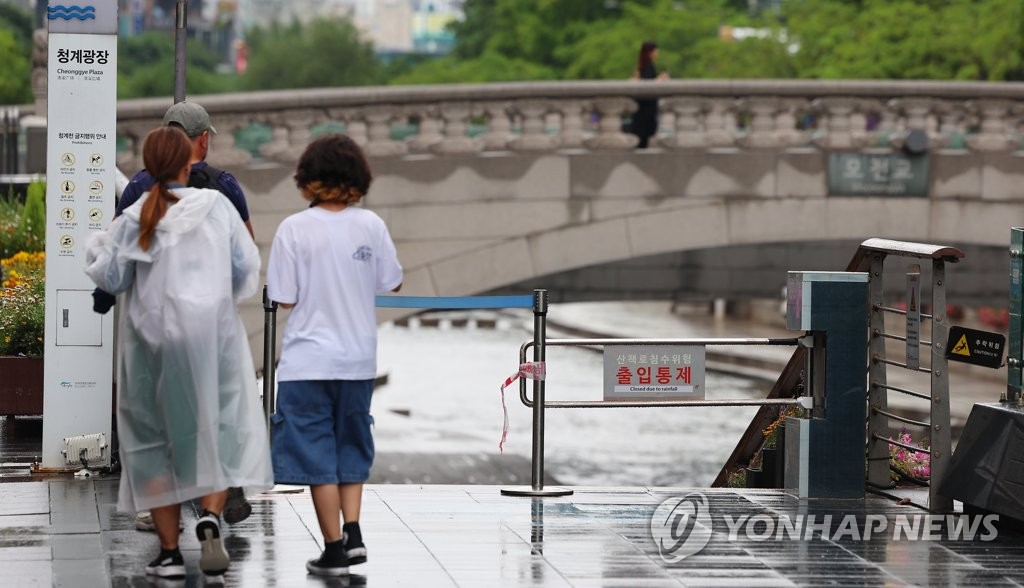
(206, 176)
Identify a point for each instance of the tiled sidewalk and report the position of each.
(66, 533)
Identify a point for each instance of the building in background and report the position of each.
(394, 26)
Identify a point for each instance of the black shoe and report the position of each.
(169, 564)
(332, 562)
(237, 508)
(355, 551)
(213, 558)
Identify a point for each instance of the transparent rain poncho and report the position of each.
(189, 418)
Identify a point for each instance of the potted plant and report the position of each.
(22, 297)
(755, 475)
(773, 450)
(906, 464)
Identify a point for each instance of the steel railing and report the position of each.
(538, 403)
(871, 257)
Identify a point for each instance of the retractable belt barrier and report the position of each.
(387, 301)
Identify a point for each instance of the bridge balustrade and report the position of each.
(473, 119)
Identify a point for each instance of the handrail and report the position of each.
(603, 341)
(871, 257)
(269, 100)
(908, 249)
(871, 251)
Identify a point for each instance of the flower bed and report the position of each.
(22, 272)
(22, 298)
(908, 464)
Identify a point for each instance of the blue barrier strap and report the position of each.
(454, 302)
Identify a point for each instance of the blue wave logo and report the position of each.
(70, 12)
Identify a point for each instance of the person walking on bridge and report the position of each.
(645, 119)
(327, 263)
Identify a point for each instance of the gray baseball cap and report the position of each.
(191, 117)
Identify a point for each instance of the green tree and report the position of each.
(19, 22)
(532, 30)
(489, 67)
(325, 52)
(15, 75)
(608, 50)
(32, 227)
(850, 39)
(747, 59)
(908, 39)
(146, 68)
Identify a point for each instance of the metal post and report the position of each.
(878, 423)
(941, 443)
(180, 50)
(1014, 356)
(269, 353)
(540, 311)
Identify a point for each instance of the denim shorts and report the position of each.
(321, 432)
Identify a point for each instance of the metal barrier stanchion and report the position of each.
(269, 353)
(540, 311)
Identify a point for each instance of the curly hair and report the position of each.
(333, 169)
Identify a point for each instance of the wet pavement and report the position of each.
(65, 532)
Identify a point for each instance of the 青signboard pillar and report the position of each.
(825, 453)
(80, 152)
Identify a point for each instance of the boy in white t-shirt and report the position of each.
(328, 263)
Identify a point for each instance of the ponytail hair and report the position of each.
(165, 152)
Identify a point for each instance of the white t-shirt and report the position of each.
(331, 266)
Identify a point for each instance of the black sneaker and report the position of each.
(330, 563)
(237, 508)
(213, 558)
(355, 551)
(169, 564)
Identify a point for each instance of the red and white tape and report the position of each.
(534, 370)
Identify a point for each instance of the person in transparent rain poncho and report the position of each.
(188, 415)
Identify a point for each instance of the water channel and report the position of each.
(442, 396)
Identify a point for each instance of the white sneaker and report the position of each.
(144, 522)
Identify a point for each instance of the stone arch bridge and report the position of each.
(508, 186)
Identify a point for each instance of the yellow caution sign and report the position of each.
(984, 349)
(961, 347)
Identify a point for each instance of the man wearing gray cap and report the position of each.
(194, 120)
